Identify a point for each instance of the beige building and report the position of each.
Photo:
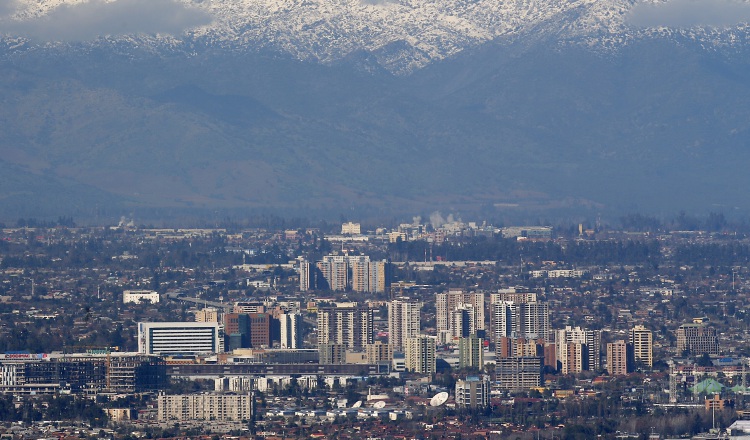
(572, 356)
(119, 414)
(379, 352)
(305, 276)
(209, 314)
(379, 276)
(420, 354)
(206, 406)
(618, 358)
(511, 295)
(579, 349)
(335, 271)
(139, 296)
(642, 341)
(351, 228)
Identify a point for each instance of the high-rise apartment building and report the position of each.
(619, 358)
(290, 331)
(474, 392)
(379, 352)
(462, 321)
(342, 272)
(471, 352)
(578, 349)
(642, 341)
(360, 267)
(420, 354)
(379, 276)
(331, 354)
(520, 320)
(305, 276)
(512, 295)
(519, 373)
(351, 327)
(696, 339)
(206, 406)
(335, 271)
(447, 303)
(572, 356)
(249, 307)
(404, 318)
(519, 347)
(208, 314)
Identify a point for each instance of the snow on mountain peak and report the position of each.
(403, 34)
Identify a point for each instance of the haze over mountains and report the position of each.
(367, 107)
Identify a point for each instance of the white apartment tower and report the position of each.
(462, 321)
(446, 303)
(404, 319)
(335, 270)
(516, 319)
(291, 336)
(304, 276)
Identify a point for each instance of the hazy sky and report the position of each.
(86, 21)
(690, 13)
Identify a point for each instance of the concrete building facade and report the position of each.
(162, 338)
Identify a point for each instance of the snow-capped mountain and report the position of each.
(402, 34)
(541, 104)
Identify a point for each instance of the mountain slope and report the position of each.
(540, 105)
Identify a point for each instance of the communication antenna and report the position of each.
(379, 405)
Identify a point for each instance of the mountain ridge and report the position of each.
(403, 35)
(538, 121)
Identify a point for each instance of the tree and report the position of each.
(704, 360)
